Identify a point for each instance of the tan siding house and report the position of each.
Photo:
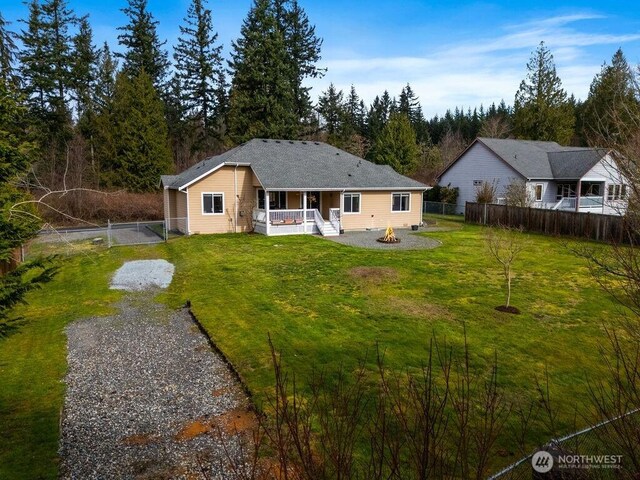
(279, 187)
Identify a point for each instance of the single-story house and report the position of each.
(556, 177)
(283, 187)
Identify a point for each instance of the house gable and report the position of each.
(606, 170)
(478, 164)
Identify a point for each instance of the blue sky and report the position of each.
(453, 53)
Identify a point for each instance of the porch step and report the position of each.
(330, 231)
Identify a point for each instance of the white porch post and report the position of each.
(304, 212)
(266, 211)
(341, 209)
(578, 189)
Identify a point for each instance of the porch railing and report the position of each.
(567, 203)
(585, 202)
(334, 218)
(591, 202)
(283, 216)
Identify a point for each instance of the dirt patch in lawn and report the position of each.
(413, 307)
(374, 275)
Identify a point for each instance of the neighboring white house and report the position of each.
(557, 177)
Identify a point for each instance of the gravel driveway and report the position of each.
(147, 397)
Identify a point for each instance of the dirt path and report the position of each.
(147, 397)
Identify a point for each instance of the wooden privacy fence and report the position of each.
(604, 228)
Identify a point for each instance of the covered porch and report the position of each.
(580, 196)
(317, 213)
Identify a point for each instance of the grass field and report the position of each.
(325, 305)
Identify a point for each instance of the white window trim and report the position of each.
(211, 193)
(535, 188)
(400, 211)
(359, 203)
(271, 192)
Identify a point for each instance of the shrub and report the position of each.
(90, 206)
(486, 192)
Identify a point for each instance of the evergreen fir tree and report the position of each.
(612, 105)
(222, 97)
(8, 53)
(143, 48)
(34, 68)
(199, 67)
(107, 67)
(541, 108)
(103, 143)
(396, 145)
(409, 105)
(140, 139)
(83, 71)
(377, 119)
(355, 114)
(262, 100)
(18, 221)
(57, 18)
(330, 106)
(303, 48)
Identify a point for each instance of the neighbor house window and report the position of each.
(277, 200)
(400, 202)
(351, 203)
(538, 192)
(616, 192)
(565, 190)
(212, 203)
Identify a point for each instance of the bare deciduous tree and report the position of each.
(451, 145)
(495, 127)
(505, 244)
(516, 194)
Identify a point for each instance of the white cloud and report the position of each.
(482, 71)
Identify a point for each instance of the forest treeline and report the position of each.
(118, 119)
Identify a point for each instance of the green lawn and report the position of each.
(325, 305)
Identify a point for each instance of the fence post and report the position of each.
(442, 208)
(485, 213)
(165, 229)
(109, 233)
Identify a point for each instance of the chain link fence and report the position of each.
(608, 450)
(136, 233)
(112, 234)
(442, 208)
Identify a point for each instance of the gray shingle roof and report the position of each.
(574, 164)
(304, 165)
(544, 160)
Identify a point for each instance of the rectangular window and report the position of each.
(400, 202)
(351, 203)
(616, 192)
(565, 190)
(538, 192)
(212, 203)
(277, 200)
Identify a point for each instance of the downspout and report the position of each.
(235, 196)
(342, 210)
